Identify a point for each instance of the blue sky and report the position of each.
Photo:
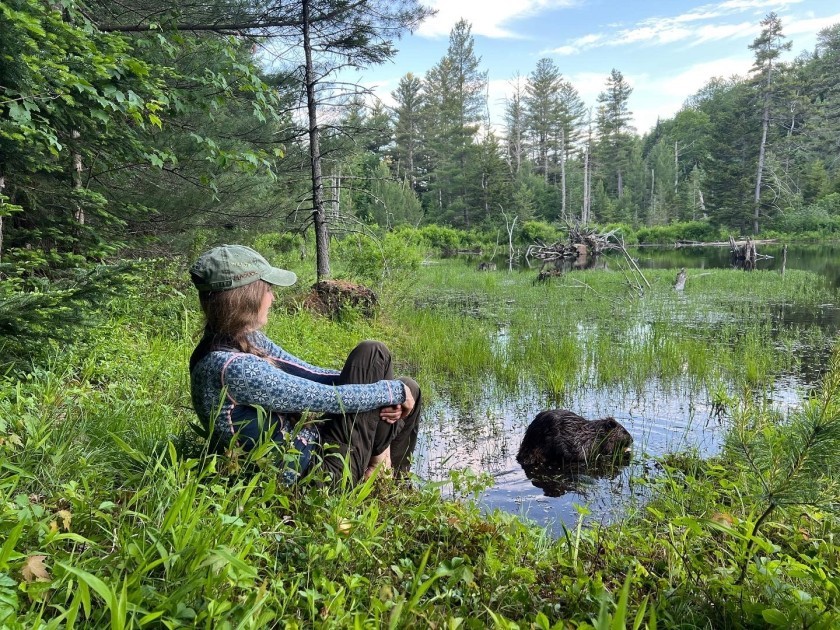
(667, 50)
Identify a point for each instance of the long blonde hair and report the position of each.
(231, 315)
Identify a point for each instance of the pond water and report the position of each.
(823, 259)
(484, 434)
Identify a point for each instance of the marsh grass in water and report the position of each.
(109, 518)
(666, 364)
(585, 329)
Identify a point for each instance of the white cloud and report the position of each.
(746, 5)
(717, 32)
(810, 25)
(695, 77)
(577, 45)
(661, 97)
(488, 17)
(589, 85)
(685, 27)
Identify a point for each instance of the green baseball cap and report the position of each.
(231, 266)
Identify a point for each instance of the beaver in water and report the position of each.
(558, 437)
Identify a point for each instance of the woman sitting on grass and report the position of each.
(246, 388)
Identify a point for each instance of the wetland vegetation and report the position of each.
(132, 138)
(111, 514)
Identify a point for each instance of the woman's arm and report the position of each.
(292, 364)
(253, 381)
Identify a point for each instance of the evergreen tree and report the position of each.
(455, 90)
(614, 130)
(542, 110)
(767, 47)
(572, 116)
(823, 90)
(732, 152)
(515, 126)
(407, 125)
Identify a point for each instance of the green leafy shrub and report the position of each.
(687, 231)
(822, 217)
(533, 231)
(369, 259)
(277, 243)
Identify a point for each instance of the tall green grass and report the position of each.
(588, 330)
(111, 516)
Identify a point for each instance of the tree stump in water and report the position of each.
(679, 283)
(745, 254)
(329, 297)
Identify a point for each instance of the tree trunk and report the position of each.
(76, 176)
(765, 123)
(676, 165)
(545, 158)
(652, 194)
(584, 217)
(322, 236)
(518, 150)
(2, 187)
(563, 173)
(620, 185)
(411, 166)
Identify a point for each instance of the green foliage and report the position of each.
(110, 517)
(368, 258)
(278, 243)
(36, 312)
(533, 231)
(438, 237)
(698, 231)
(817, 219)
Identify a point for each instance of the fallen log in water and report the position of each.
(728, 243)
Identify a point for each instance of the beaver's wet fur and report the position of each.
(559, 437)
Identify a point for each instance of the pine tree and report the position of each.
(515, 126)
(572, 115)
(543, 112)
(614, 129)
(768, 46)
(407, 124)
(455, 90)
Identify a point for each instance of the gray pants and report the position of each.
(358, 437)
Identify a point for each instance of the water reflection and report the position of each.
(484, 435)
(823, 259)
(480, 428)
(555, 481)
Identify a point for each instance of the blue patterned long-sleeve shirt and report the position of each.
(228, 386)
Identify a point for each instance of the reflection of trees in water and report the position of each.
(821, 259)
(465, 431)
(555, 481)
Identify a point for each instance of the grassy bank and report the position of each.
(111, 515)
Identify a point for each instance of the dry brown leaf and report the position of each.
(34, 570)
(66, 517)
(723, 518)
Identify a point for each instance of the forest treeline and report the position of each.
(133, 127)
(119, 126)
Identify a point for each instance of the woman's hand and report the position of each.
(397, 412)
(390, 414)
(408, 405)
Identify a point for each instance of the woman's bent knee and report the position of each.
(371, 346)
